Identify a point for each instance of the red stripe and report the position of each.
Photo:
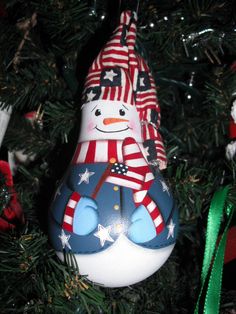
(75, 196)
(91, 152)
(152, 132)
(131, 71)
(160, 148)
(67, 226)
(154, 214)
(142, 111)
(69, 211)
(131, 37)
(141, 99)
(124, 19)
(111, 44)
(112, 149)
(132, 98)
(116, 52)
(116, 61)
(127, 89)
(105, 93)
(160, 228)
(132, 28)
(133, 60)
(119, 92)
(147, 200)
(133, 156)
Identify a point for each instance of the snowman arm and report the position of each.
(81, 215)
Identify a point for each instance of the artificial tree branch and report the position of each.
(25, 26)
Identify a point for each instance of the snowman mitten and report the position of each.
(142, 228)
(81, 215)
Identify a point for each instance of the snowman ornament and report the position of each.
(112, 211)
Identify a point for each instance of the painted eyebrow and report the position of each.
(125, 107)
(94, 108)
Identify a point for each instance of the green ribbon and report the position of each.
(213, 261)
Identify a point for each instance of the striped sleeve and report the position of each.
(153, 143)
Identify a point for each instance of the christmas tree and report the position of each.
(46, 49)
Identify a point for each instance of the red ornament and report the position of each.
(230, 250)
(232, 129)
(12, 214)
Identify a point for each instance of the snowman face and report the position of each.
(103, 119)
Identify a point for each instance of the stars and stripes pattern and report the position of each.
(122, 92)
(132, 83)
(133, 173)
(67, 223)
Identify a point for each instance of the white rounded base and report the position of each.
(122, 264)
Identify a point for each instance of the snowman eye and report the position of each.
(122, 112)
(98, 112)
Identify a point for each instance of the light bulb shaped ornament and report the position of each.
(113, 212)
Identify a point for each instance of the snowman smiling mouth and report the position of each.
(112, 131)
(108, 121)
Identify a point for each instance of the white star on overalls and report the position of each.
(64, 239)
(164, 187)
(103, 234)
(171, 228)
(84, 177)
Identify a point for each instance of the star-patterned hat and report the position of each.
(109, 77)
(119, 73)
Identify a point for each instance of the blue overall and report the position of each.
(115, 207)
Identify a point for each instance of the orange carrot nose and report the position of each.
(107, 121)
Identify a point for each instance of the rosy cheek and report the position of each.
(133, 125)
(91, 125)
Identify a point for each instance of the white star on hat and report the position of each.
(90, 95)
(103, 234)
(64, 239)
(110, 75)
(141, 81)
(171, 228)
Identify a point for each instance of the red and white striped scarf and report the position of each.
(100, 151)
